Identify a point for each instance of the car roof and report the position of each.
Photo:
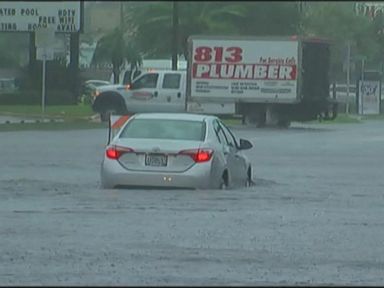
(173, 116)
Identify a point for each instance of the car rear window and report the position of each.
(164, 129)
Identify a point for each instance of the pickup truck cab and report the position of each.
(152, 91)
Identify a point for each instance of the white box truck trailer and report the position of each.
(272, 80)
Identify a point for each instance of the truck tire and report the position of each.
(254, 119)
(105, 115)
(249, 119)
(109, 103)
(283, 123)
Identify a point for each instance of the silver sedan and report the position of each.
(176, 150)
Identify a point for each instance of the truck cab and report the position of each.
(151, 91)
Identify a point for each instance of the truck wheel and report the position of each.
(254, 119)
(249, 119)
(109, 103)
(261, 122)
(283, 123)
(105, 115)
(108, 111)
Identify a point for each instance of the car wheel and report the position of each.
(105, 115)
(104, 185)
(224, 182)
(249, 182)
(223, 186)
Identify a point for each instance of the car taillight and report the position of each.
(198, 155)
(114, 152)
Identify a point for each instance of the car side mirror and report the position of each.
(245, 144)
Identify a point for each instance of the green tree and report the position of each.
(117, 49)
(338, 22)
(10, 58)
(153, 23)
(378, 24)
(269, 18)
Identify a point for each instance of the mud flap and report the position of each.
(115, 123)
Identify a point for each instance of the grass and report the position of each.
(352, 118)
(76, 117)
(69, 125)
(373, 117)
(343, 118)
(58, 111)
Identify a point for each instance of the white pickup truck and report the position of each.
(152, 91)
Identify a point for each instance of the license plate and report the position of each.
(158, 160)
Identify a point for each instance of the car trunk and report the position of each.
(157, 154)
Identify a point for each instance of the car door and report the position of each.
(228, 151)
(143, 94)
(239, 164)
(171, 94)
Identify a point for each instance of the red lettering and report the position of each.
(235, 54)
(230, 54)
(218, 54)
(203, 54)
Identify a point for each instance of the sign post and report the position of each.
(43, 88)
(348, 75)
(45, 39)
(369, 93)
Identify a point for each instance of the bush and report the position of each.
(20, 98)
(60, 85)
(59, 97)
(33, 97)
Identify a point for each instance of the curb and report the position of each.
(17, 119)
(29, 121)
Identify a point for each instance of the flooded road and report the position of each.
(315, 215)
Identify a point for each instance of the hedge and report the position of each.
(52, 97)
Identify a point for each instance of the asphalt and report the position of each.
(314, 217)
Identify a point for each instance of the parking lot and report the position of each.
(314, 216)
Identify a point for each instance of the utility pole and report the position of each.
(348, 75)
(74, 63)
(175, 34)
(362, 85)
(32, 51)
(121, 14)
(74, 54)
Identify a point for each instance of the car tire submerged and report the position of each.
(224, 181)
(249, 181)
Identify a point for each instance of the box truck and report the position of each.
(266, 80)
